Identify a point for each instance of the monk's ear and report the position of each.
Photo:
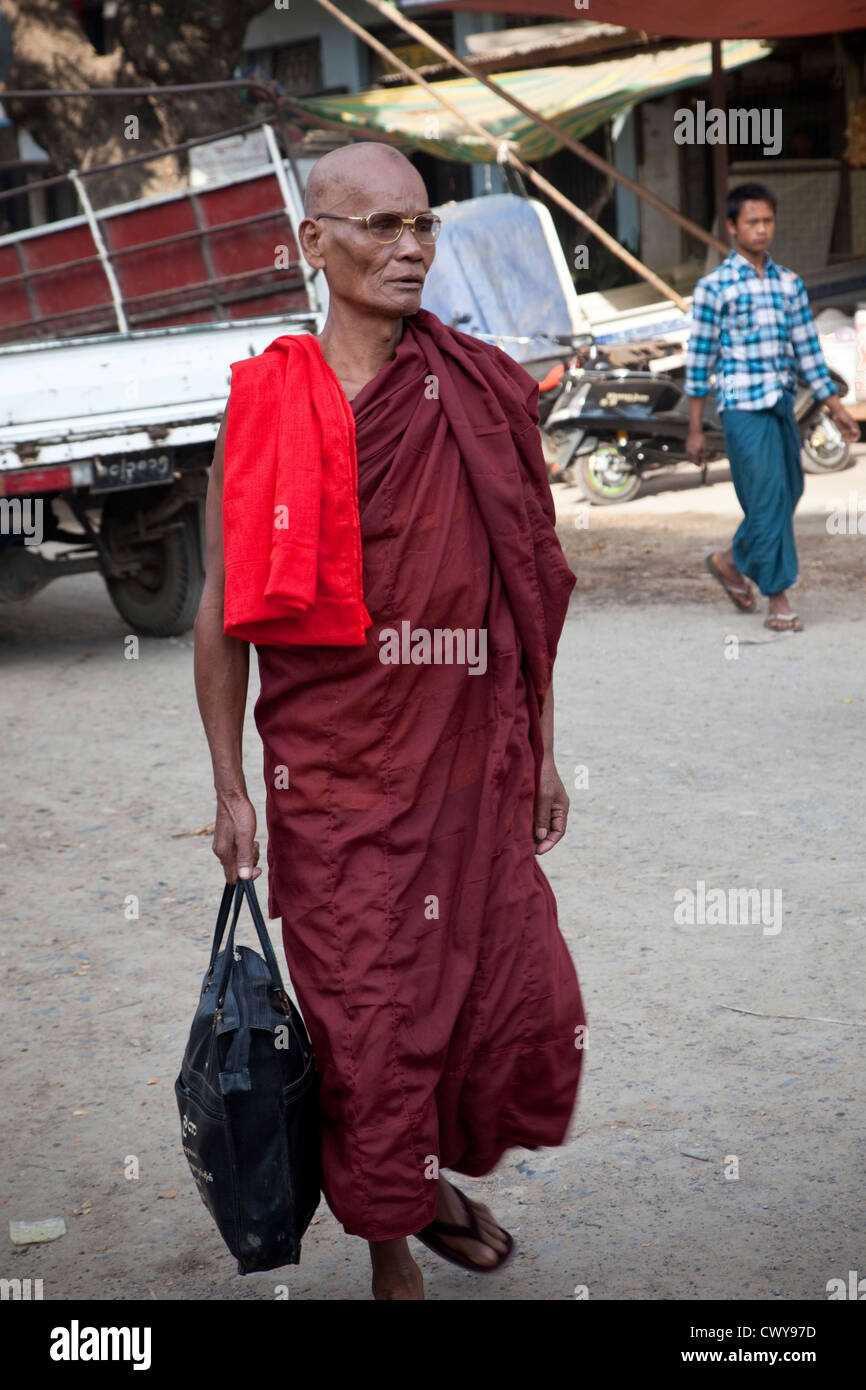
(309, 237)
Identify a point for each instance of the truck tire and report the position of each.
(162, 599)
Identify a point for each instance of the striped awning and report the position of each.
(579, 99)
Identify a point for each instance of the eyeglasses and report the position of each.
(388, 226)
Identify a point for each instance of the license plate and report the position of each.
(141, 470)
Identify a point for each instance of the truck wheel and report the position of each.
(161, 599)
(823, 448)
(606, 477)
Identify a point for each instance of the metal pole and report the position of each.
(720, 152)
(278, 101)
(504, 152)
(96, 169)
(46, 93)
(576, 146)
(96, 233)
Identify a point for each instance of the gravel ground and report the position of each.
(714, 1050)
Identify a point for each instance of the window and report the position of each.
(297, 67)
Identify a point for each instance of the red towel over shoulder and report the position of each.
(291, 528)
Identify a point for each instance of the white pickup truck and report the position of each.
(106, 437)
(113, 436)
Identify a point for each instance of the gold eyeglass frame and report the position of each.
(407, 222)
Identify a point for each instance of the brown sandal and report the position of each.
(431, 1236)
(741, 597)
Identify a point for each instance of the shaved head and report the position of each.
(351, 171)
(366, 275)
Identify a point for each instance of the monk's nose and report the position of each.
(407, 244)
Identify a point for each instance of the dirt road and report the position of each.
(718, 1140)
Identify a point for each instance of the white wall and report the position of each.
(343, 64)
(660, 171)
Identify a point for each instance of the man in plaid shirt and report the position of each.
(752, 325)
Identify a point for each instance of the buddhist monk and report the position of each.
(411, 783)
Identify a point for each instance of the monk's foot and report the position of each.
(492, 1246)
(395, 1274)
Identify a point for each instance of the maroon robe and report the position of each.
(420, 930)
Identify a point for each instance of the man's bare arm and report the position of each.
(696, 440)
(221, 680)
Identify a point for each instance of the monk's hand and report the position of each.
(551, 807)
(234, 842)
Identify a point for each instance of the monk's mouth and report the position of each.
(408, 284)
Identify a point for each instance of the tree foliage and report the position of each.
(154, 43)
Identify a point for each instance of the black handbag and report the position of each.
(248, 1097)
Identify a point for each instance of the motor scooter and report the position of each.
(607, 425)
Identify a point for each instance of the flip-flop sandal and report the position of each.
(732, 590)
(791, 622)
(431, 1234)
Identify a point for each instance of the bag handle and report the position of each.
(222, 918)
(242, 888)
(248, 887)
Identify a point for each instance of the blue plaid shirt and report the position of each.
(756, 332)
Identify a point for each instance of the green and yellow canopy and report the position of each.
(579, 99)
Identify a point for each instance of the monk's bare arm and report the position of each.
(547, 723)
(551, 802)
(221, 663)
(221, 680)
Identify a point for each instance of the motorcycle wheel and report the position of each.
(606, 478)
(823, 448)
